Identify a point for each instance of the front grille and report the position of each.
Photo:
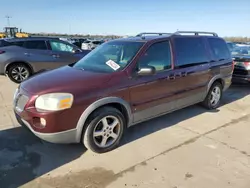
(20, 102)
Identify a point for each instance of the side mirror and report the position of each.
(146, 71)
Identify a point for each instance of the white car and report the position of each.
(91, 44)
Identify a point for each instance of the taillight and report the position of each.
(247, 65)
(1, 52)
(233, 65)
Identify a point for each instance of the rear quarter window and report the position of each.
(36, 45)
(3, 43)
(190, 51)
(219, 49)
(17, 43)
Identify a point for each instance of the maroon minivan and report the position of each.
(121, 83)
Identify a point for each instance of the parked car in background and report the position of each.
(241, 56)
(78, 42)
(242, 44)
(231, 45)
(22, 57)
(69, 40)
(121, 83)
(91, 44)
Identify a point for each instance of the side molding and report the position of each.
(94, 106)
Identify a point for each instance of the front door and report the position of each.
(153, 95)
(37, 53)
(62, 53)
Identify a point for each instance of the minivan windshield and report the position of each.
(109, 57)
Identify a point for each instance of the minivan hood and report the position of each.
(64, 79)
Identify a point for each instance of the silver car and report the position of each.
(21, 58)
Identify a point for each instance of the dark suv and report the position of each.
(22, 57)
(121, 83)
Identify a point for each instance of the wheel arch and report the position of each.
(115, 102)
(16, 62)
(217, 78)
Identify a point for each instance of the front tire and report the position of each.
(18, 72)
(213, 98)
(104, 130)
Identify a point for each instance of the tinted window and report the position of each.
(4, 43)
(219, 48)
(60, 46)
(190, 51)
(18, 43)
(158, 55)
(38, 45)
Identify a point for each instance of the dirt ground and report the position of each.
(190, 148)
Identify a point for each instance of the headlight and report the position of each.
(54, 101)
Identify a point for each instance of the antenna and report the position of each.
(8, 19)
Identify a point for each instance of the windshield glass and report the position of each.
(241, 51)
(109, 57)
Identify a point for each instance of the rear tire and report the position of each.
(104, 130)
(213, 98)
(18, 72)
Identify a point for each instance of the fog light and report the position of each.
(39, 122)
(43, 122)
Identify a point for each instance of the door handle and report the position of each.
(181, 74)
(55, 56)
(171, 77)
(26, 54)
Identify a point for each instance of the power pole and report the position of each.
(8, 19)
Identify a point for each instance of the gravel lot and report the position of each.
(191, 148)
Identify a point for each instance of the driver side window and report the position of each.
(61, 47)
(158, 56)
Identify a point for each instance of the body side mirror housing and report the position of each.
(146, 71)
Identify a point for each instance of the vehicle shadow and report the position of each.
(23, 157)
(234, 93)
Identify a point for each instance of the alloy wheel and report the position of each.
(20, 73)
(106, 131)
(215, 95)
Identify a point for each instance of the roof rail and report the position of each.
(196, 33)
(148, 33)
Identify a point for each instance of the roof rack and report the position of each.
(143, 34)
(196, 33)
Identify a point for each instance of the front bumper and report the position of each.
(64, 137)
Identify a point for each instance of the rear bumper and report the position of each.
(64, 137)
(227, 82)
(241, 79)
